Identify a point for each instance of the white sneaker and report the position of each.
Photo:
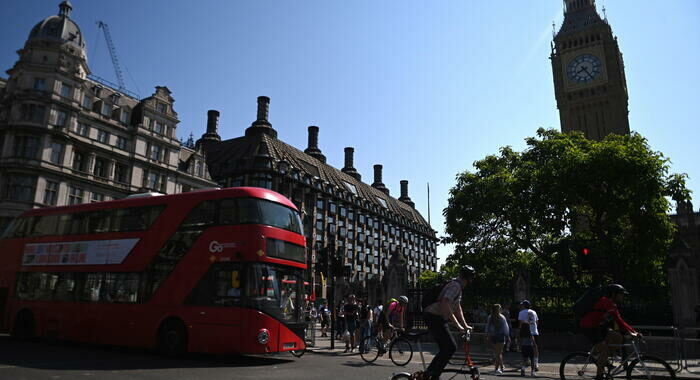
(499, 372)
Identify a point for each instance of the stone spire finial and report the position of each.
(65, 8)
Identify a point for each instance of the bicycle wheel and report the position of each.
(578, 366)
(370, 349)
(401, 376)
(649, 368)
(400, 351)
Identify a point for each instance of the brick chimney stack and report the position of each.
(349, 166)
(378, 180)
(312, 150)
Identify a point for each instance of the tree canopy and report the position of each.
(539, 208)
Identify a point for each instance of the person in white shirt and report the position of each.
(529, 317)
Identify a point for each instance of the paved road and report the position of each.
(48, 360)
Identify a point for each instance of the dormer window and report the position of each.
(161, 107)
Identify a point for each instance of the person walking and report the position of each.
(351, 313)
(365, 323)
(325, 314)
(527, 316)
(447, 308)
(340, 324)
(527, 349)
(498, 334)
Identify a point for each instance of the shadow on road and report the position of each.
(76, 356)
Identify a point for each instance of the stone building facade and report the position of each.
(67, 137)
(589, 74)
(356, 231)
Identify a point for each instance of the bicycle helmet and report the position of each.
(616, 289)
(467, 271)
(403, 300)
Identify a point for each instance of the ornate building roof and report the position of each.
(59, 28)
(260, 150)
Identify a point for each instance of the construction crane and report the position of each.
(113, 54)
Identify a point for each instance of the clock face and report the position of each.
(583, 68)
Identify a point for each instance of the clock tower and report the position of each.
(589, 74)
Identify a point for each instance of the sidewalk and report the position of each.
(549, 360)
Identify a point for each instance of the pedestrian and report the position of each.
(498, 334)
(527, 349)
(351, 315)
(365, 324)
(528, 317)
(325, 314)
(340, 324)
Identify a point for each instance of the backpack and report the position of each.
(385, 308)
(586, 302)
(431, 296)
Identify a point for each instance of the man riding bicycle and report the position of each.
(391, 316)
(447, 308)
(604, 325)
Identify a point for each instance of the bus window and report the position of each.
(45, 225)
(91, 287)
(279, 216)
(134, 218)
(228, 211)
(275, 290)
(34, 285)
(98, 221)
(77, 224)
(201, 216)
(64, 289)
(248, 211)
(120, 287)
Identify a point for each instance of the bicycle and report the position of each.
(635, 365)
(471, 369)
(399, 348)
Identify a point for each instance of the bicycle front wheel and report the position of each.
(401, 376)
(578, 366)
(400, 351)
(369, 349)
(650, 368)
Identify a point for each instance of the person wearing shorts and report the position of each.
(499, 334)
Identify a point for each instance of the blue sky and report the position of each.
(424, 88)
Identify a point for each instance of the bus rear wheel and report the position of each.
(23, 327)
(172, 338)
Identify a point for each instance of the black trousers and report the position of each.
(446, 344)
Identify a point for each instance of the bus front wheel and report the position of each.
(172, 338)
(23, 327)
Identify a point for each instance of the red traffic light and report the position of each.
(585, 251)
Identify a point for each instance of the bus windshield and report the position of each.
(276, 291)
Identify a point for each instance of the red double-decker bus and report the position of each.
(217, 271)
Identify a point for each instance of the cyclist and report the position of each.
(392, 315)
(446, 309)
(604, 325)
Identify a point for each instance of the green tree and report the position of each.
(539, 208)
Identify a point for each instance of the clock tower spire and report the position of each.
(589, 74)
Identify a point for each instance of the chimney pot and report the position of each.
(312, 150)
(263, 108)
(212, 121)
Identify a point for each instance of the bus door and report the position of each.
(216, 310)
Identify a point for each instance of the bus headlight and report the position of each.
(263, 336)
